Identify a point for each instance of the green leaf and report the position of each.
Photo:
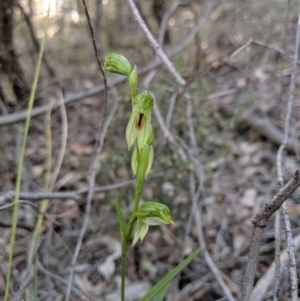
(157, 288)
(123, 227)
(162, 294)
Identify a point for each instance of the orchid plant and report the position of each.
(140, 132)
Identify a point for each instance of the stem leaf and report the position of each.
(157, 288)
(123, 227)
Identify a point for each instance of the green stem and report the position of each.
(126, 238)
(138, 193)
(123, 272)
(21, 160)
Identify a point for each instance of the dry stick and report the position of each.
(154, 44)
(36, 207)
(260, 221)
(197, 210)
(260, 43)
(94, 169)
(64, 138)
(171, 109)
(293, 266)
(161, 35)
(277, 253)
(267, 280)
(75, 195)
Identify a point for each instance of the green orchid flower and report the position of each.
(139, 126)
(150, 214)
(117, 63)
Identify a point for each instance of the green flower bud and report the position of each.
(150, 214)
(133, 82)
(117, 63)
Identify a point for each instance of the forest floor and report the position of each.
(238, 82)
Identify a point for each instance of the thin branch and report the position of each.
(277, 255)
(96, 53)
(165, 19)
(293, 266)
(154, 44)
(260, 221)
(210, 5)
(266, 282)
(64, 138)
(260, 43)
(171, 109)
(93, 172)
(75, 195)
(35, 40)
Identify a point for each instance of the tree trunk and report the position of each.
(8, 58)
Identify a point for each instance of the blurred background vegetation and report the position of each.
(239, 104)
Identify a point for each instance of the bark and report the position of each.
(8, 57)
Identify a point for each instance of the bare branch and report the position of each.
(266, 282)
(154, 44)
(75, 195)
(165, 19)
(293, 267)
(277, 255)
(260, 43)
(260, 221)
